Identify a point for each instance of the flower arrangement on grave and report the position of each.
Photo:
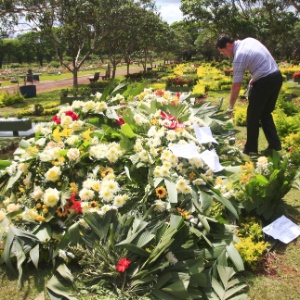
(124, 188)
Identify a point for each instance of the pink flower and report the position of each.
(167, 116)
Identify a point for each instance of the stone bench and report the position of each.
(15, 125)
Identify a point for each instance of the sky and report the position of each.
(169, 10)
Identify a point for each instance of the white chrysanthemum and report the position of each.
(106, 208)
(171, 135)
(164, 171)
(42, 129)
(98, 151)
(98, 95)
(165, 155)
(152, 132)
(106, 195)
(53, 174)
(171, 258)
(114, 152)
(50, 154)
(157, 171)
(144, 156)
(173, 159)
(111, 185)
(155, 142)
(88, 183)
(66, 121)
(86, 194)
(37, 193)
(51, 197)
(85, 207)
(187, 190)
(120, 200)
(161, 132)
(73, 154)
(159, 205)
(181, 184)
(100, 107)
(76, 125)
(112, 156)
(95, 140)
(77, 104)
(2, 215)
(138, 146)
(12, 207)
(199, 181)
(29, 214)
(12, 169)
(96, 185)
(139, 119)
(72, 140)
(88, 106)
(197, 162)
(153, 151)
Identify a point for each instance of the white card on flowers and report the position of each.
(204, 134)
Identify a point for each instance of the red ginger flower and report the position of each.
(123, 264)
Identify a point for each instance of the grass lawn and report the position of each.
(281, 266)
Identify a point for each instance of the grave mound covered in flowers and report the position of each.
(124, 188)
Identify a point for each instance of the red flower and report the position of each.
(123, 264)
(76, 205)
(159, 93)
(120, 121)
(121, 268)
(72, 115)
(56, 119)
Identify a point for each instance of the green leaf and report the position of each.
(127, 131)
(35, 255)
(4, 164)
(59, 289)
(65, 272)
(235, 257)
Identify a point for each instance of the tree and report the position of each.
(82, 25)
(267, 21)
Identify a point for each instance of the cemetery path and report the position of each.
(44, 86)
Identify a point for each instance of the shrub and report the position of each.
(286, 124)
(291, 143)
(251, 245)
(7, 99)
(240, 115)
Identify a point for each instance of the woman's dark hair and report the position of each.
(223, 40)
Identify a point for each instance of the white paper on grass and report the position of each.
(282, 229)
(204, 134)
(189, 151)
